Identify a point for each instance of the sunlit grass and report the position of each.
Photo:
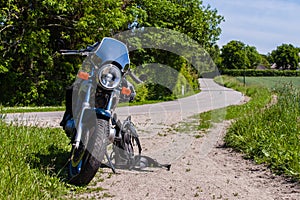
(31, 162)
(270, 82)
(259, 97)
(31, 109)
(272, 136)
(267, 133)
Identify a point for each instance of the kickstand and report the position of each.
(110, 165)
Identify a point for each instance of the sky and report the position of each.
(264, 24)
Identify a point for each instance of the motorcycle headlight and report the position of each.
(109, 76)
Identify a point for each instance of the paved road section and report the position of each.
(212, 96)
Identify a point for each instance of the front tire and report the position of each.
(86, 160)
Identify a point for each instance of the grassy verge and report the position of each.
(33, 164)
(31, 159)
(30, 109)
(272, 136)
(267, 135)
(259, 98)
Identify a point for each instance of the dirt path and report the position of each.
(201, 169)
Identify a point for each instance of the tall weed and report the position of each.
(272, 135)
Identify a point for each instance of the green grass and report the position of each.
(270, 82)
(269, 135)
(30, 109)
(272, 136)
(31, 162)
(259, 98)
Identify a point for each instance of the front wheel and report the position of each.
(86, 159)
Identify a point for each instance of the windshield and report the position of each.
(112, 50)
(109, 50)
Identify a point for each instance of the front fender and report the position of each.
(102, 113)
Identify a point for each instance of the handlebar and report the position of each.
(82, 52)
(70, 52)
(87, 51)
(134, 77)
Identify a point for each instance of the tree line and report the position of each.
(33, 31)
(237, 55)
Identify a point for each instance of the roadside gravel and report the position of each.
(201, 169)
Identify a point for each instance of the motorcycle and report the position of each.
(90, 120)
(90, 103)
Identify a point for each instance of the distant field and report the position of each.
(271, 82)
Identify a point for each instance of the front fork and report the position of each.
(99, 111)
(85, 106)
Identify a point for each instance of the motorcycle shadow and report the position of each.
(52, 163)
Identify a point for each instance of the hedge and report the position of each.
(255, 72)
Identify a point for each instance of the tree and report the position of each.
(186, 16)
(265, 60)
(237, 55)
(31, 32)
(215, 54)
(233, 55)
(189, 17)
(286, 56)
(253, 56)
